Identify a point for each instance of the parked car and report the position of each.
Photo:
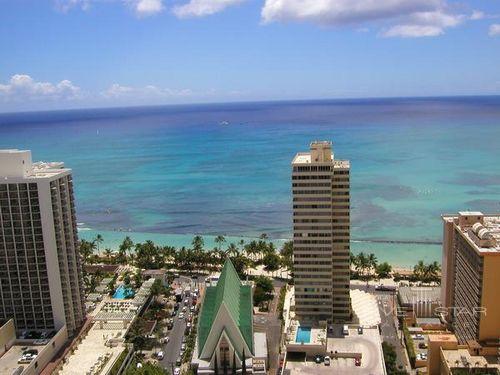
(181, 316)
(165, 340)
(422, 345)
(160, 355)
(357, 361)
(327, 361)
(178, 362)
(177, 371)
(183, 347)
(318, 358)
(360, 330)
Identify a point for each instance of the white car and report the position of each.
(165, 340)
(327, 361)
(177, 371)
(160, 355)
(181, 316)
(183, 347)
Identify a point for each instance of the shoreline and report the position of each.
(401, 256)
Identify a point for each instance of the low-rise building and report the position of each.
(28, 354)
(419, 302)
(447, 356)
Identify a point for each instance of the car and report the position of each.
(183, 339)
(188, 325)
(181, 353)
(177, 371)
(327, 361)
(181, 316)
(174, 313)
(345, 330)
(166, 340)
(360, 330)
(183, 347)
(192, 308)
(357, 361)
(318, 358)
(184, 308)
(160, 355)
(178, 362)
(422, 345)
(419, 336)
(186, 301)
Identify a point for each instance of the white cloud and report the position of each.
(66, 5)
(201, 8)
(117, 91)
(425, 24)
(340, 12)
(144, 8)
(477, 15)
(21, 87)
(494, 29)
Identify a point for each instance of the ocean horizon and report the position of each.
(170, 172)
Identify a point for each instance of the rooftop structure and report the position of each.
(470, 275)
(321, 230)
(225, 327)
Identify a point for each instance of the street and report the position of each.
(387, 307)
(172, 349)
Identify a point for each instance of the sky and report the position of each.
(61, 54)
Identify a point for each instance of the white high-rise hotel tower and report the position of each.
(321, 233)
(41, 285)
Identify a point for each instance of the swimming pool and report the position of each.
(123, 292)
(303, 335)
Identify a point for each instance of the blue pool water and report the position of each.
(123, 292)
(303, 335)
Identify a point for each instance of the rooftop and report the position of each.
(237, 299)
(410, 295)
(461, 358)
(15, 164)
(482, 231)
(9, 360)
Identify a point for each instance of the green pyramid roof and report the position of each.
(238, 300)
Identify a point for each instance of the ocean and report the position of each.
(170, 172)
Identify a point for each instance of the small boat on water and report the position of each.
(224, 123)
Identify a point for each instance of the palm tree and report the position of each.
(108, 253)
(127, 245)
(419, 270)
(98, 240)
(219, 240)
(232, 250)
(198, 243)
(372, 261)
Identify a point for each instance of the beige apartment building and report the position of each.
(41, 285)
(321, 230)
(471, 276)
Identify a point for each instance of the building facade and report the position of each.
(321, 234)
(41, 284)
(471, 277)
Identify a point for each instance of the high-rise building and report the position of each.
(471, 275)
(321, 233)
(41, 285)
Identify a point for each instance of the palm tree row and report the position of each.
(196, 258)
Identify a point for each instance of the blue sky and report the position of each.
(100, 53)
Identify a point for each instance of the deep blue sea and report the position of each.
(174, 171)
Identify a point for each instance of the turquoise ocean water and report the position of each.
(166, 173)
